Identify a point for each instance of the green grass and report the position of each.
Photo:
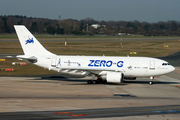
(49, 37)
(29, 69)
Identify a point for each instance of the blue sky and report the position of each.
(128, 10)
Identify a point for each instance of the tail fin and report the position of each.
(29, 43)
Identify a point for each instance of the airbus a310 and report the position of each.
(105, 68)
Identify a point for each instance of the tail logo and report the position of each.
(29, 41)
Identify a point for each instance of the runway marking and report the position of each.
(62, 113)
(160, 109)
(174, 111)
(86, 114)
(124, 95)
(77, 115)
(177, 85)
(169, 111)
(159, 112)
(143, 110)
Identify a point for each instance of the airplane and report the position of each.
(107, 69)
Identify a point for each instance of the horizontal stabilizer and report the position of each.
(31, 59)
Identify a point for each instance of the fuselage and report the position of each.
(129, 66)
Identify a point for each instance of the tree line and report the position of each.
(83, 27)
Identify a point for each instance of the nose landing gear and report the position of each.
(151, 82)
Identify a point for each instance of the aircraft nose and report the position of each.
(172, 68)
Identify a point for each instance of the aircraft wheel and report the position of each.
(105, 81)
(98, 81)
(150, 83)
(89, 82)
(94, 81)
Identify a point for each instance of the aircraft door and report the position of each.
(53, 62)
(152, 65)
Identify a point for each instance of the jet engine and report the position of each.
(113, 77)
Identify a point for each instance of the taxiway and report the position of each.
(68, 97)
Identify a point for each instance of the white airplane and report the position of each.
(104, 68)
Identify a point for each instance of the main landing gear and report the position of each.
(151, 82)
(92, 81)
(98, 81)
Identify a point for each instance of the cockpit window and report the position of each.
(165, 64)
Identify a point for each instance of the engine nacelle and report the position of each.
(113, 77)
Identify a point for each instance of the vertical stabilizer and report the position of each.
(29, 43)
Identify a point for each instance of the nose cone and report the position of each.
(171, 69)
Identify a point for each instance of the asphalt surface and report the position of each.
(173, 59)
(63, 97)
(92, 113)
